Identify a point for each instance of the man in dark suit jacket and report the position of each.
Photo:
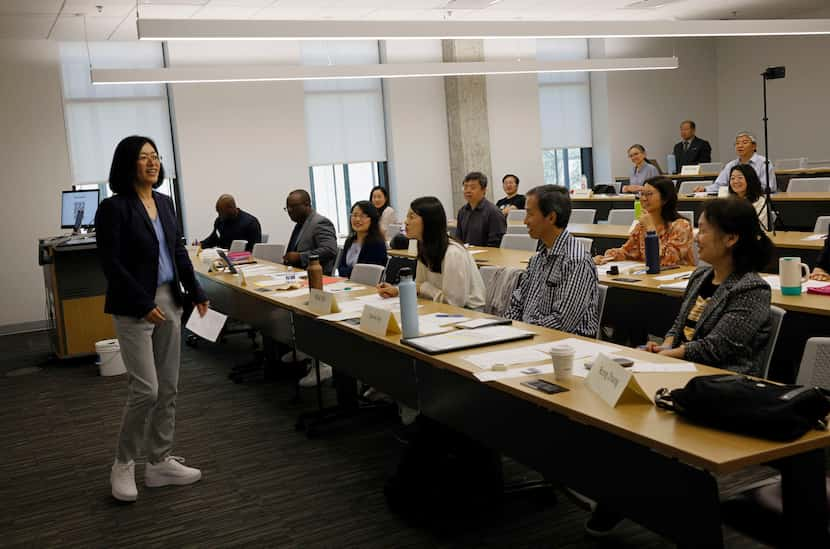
(691, 150)
(313, 234)
(232, 224)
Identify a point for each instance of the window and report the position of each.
(565, 109)
(98, 117)
(335, 187)
(563, 167)
(345, 130)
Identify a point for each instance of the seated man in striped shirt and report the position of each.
(559, 290)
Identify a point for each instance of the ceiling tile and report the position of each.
(147, 11)
(21, 7)
(97, 28)
(25, 27)
(225, 12)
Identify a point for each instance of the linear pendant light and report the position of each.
(267, 73)
(236, 29)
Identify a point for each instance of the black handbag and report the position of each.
(749, 406)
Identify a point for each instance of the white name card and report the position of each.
(378, 321)
(611, 381)
(690, 170)
(583, 193)
(322, 303)
(413, 246)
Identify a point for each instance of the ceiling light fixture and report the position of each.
(252, 29)
(266, 73)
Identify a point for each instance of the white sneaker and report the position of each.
(122, 480)
(170, 471)
(310, 379)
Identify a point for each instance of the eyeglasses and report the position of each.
(356, 215)
(647, 194)
(146, 157)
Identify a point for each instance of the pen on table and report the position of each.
(442, 315)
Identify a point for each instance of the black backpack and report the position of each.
(749, 406)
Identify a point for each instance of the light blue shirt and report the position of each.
(757, 163)
(165, 262)
(646, 172)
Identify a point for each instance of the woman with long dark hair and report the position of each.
(446, 271)
(365, 244)
(145, 264)
(659, 200)
(379, 197)
(744, 183)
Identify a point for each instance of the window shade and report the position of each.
(564, 98)
(344, 118)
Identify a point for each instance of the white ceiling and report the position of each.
(64, 19)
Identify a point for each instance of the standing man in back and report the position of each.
(480, 222)
(313, 234)
(691, 150)
(232, 224)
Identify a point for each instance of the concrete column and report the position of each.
(468, 129)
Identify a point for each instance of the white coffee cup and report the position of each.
(563, 361)
(723, 192)
(792, 274)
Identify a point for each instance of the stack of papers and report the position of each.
(815, 237)
(774, 282)
(678, 286)
(621, 265)
(538, 352)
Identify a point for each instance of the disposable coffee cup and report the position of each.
(563, 361)
(723, 192)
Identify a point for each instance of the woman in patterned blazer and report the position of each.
(724, 318)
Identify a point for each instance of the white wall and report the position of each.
(798, 106)
(416, 128)
(35, 160)
(513, 118)
(246, 139)
(600, 144)
(647, 107)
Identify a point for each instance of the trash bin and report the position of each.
(109, 358)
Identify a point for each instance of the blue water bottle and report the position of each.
(409, 304)
(652, 253)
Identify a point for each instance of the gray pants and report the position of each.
(151, 355)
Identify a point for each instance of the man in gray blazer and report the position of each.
(313, 234)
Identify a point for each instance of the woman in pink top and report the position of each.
(659, 202)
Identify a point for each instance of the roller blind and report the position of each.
(344, 118)
(98, 117)
(564, 98)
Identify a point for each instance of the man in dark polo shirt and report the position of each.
(480, 222)
(513, 200)
(232, 224)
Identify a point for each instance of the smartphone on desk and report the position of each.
(545, 386)
(621, 279)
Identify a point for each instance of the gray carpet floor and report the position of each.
(264, 485)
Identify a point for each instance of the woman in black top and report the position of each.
(365, 244)
(145, 264)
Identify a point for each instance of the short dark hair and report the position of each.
(123, 169)
(553, 198)
(668, 192)
(434, 241)
(638, 147)
(303, 194)
(385, 195)
(754, 250)
(691, 124)
(516, 177)
(754, 191)
(374, 234)
(476, 176)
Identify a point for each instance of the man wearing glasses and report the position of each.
(313, 234)
(745, 147)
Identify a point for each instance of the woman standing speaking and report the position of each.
(146, 264)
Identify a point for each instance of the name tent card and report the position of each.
(612, 382)
(322, 303)
(378, 321)
(690, 170)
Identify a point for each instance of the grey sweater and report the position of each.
(733, 328)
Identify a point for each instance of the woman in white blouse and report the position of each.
(446, 271)
(379, 197)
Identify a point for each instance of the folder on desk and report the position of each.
(466, 339)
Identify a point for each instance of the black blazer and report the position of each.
(129, 253)
(373, 252)
(699, 151)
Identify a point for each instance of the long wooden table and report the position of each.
(663, 467)
(782, 177)
(798, 210)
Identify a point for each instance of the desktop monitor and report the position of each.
(72, 202)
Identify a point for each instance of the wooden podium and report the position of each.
(75, 289)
